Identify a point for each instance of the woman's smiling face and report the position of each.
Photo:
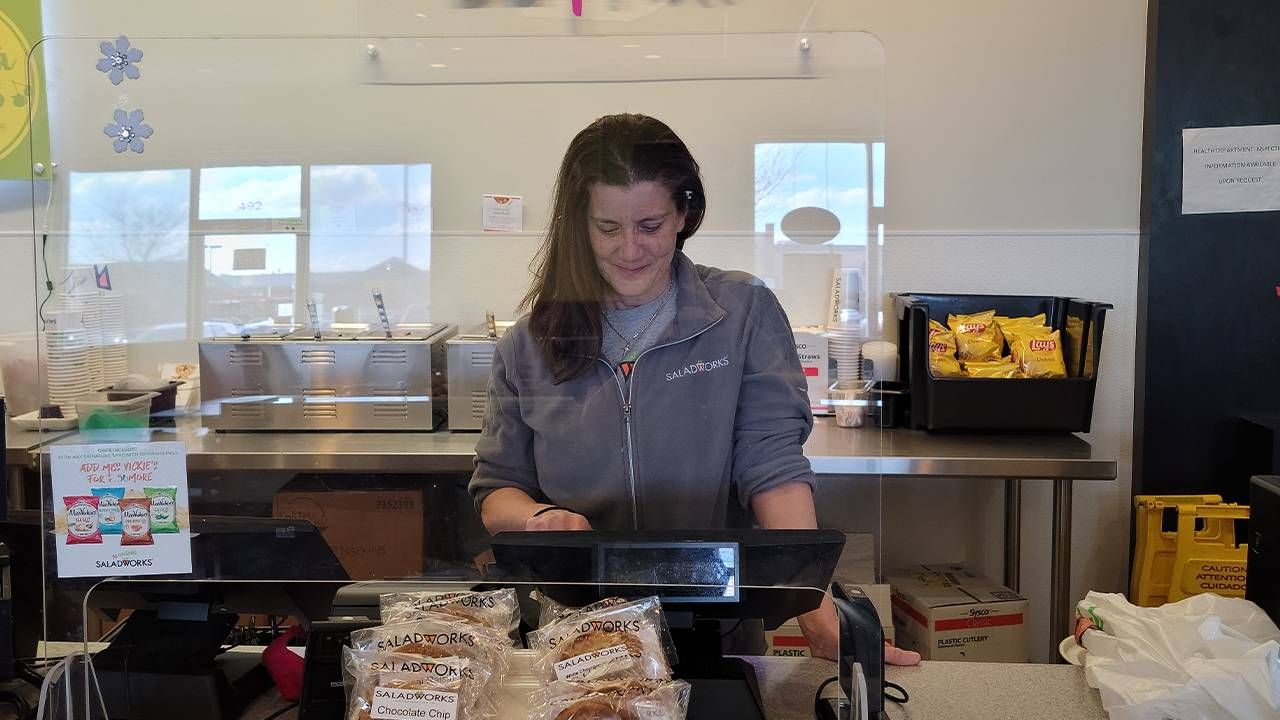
(633, 233)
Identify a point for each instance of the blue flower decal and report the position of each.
(128, 131)
(120, 61)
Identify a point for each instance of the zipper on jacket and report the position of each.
(625, 397)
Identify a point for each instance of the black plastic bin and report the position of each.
(163, 402)
(987, 404)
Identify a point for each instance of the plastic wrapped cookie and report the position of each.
(383, 686)
(611, 700)
(622, 641)
(498, 610)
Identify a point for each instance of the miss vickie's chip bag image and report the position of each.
(135, 520)
(82, 520)
(164, 508)
(109, 509)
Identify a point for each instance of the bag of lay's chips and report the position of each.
(976, 339)
(1007, 322)
(1037, 351)
(936, 327)
(942, 355)
(999, 369)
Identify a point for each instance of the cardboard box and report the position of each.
(788, 641)
(946, 612)
(375, 534)
(811, 346)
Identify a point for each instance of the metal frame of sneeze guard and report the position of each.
(147, 249)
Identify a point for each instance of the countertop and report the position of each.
(944, 690)
(831, 449)
(939, 690)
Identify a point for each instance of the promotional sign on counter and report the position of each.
(121, 509)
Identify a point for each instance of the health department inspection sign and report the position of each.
(1231, 169)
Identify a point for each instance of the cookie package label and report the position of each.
(399, 704)
(582, 667)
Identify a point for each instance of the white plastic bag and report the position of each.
(1203, 658)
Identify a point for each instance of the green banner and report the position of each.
(24, 118)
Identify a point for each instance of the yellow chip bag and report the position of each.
(1000, 369)
(976, 339)
(942, 356)
(936, 327)
(1037, 351)
(1008, 322)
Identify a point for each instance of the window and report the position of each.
(370, 228)
(249, 280)
(138, 223)
(828, 175)
(261, 242)
(245, 193)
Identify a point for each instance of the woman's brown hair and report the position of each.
(568, 291)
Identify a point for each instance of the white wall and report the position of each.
(1013, 129)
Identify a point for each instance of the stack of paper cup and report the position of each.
(115, 348)
(68, 361)
(846, 328)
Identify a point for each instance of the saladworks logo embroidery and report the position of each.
(697, 368)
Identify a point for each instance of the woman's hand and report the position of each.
(557, 519)
(898, 656)
(821, 627)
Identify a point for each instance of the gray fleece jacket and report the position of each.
(718, 411)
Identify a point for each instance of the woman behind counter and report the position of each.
(643, 390)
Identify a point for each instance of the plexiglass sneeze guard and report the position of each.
(233, 187)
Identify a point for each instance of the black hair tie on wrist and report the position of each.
(548, 509)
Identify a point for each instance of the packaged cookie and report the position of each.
(551, 610)
(498, 610)
(396, 685)
(108, 509)
(623, 641)
(620, 700)
(82, 520)
(164, 508)
(438, 636)
(976, 338)
(135, 521)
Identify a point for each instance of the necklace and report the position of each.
(630, 342)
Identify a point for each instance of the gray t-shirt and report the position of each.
(620, 325)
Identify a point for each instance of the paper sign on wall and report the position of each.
(1231, 169)
(121, 509)
(503, 213)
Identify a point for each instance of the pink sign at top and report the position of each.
(577, 7)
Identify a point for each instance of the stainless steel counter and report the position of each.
(833, 451)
